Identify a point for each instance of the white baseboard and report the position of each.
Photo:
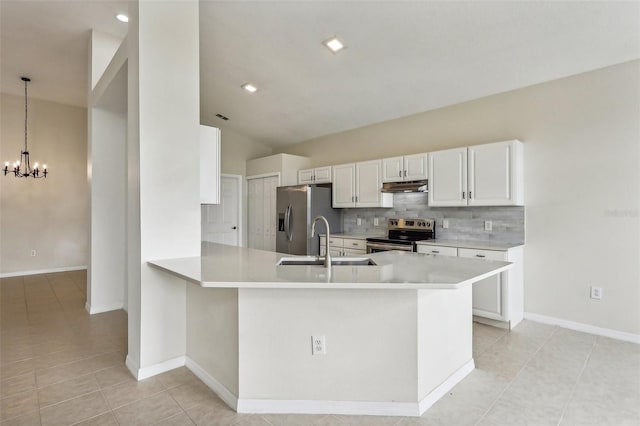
(153, 370)
(354, 408)
(446, 386)
(105, 308)
(585, 328)
(371, 408)
(132, 366)
(43, 271)
(221, 390)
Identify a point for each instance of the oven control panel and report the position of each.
(419, 224)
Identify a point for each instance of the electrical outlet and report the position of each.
(318, 345)
(596, 293)
(359, 221)
(33, 253)
(488, 225)
(376, 221)
(445, 223)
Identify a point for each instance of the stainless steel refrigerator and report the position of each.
(297, 206)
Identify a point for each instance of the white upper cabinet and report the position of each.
(495, 174)
(344, 185)
(415, 167)
(359, 185)
(305, 176)
(448, 178)
(209, 165)
(317, 175)
(406, 168)
(393, 169)
(369, 184)
(481, 175)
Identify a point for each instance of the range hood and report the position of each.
(411, 186)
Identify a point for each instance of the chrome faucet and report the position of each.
(327, 255)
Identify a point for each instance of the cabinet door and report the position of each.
(305, 176)
(415, 167)
(493, 174)
(488, 293)
(322, 174)
(368, 183)
(335, 252)
(448, 177)
(344, 185)
(392, 169)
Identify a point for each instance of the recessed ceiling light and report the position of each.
(122, 17)
(249, 87)
(333, 44)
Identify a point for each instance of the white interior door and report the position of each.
(256, 213)
(269, 211)
(221, 222)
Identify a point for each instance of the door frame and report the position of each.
(240, 187)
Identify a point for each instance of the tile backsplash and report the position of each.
(465, 223)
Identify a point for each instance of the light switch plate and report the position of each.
(445, 223)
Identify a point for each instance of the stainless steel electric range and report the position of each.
(403, 235)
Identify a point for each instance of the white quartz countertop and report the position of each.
(479, 245)
(226, 266)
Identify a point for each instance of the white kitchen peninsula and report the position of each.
(398, 334)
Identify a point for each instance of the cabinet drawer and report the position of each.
(335, 242)
(354, 244)
(445, 251)
(483, 254)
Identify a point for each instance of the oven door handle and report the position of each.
(388, 247)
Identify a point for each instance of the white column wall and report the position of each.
(164, 135)
(107, 266)
(106, 171)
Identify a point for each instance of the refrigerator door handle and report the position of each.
(287, 223)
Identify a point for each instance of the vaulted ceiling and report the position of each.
(401, 58)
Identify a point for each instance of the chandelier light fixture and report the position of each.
(22, 167)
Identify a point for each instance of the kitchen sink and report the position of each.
(336, 261)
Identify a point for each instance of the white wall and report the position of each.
(582, 182)
(163, 207)
(49, 215)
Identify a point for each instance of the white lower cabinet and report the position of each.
(341, 247)
(497, 300)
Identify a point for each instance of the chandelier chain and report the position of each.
(26, 148)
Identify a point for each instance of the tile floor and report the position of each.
(60, 366)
